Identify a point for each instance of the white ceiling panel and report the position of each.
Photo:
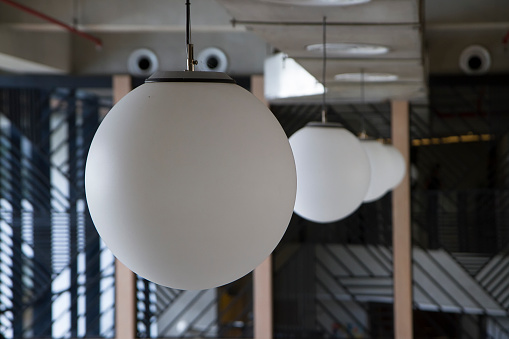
(376, 11)
(352, 93)
(394, 24)
(404, 42)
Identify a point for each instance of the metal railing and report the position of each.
(56, 278)
(223, 312)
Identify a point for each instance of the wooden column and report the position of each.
(125, 280)
(262, 294)
(401, 228)
(262, 275)
(121, 86)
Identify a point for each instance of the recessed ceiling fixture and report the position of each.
(318, 2)
(332, 166)
(367, 77)
(475, 59)
(190, 179)
(348, 49)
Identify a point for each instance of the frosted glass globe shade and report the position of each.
(333, 172)
(380, 163)
(190, 184)
(398, 166)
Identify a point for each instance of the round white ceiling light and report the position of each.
(333, 172)
(318, 2)
(379, 160)
(398, 166)
(366, 77)
(190, 180)
(348, 49)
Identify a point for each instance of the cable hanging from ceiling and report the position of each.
(324, 69)
(333, 167)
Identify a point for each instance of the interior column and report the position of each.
(262, 275)
(125, 280)
(401, 228)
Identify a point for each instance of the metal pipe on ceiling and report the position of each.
(34, 12)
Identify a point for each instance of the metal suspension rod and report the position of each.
(324, 69)
(362, 86)
(235, 22)
(189, 46)
(188, 22)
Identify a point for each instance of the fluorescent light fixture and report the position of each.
(318, 2)
(348, 49)
(366, 77)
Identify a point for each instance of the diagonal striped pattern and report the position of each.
(56, 278)
(224, 312)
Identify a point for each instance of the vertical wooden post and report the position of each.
(262, 275)
(262, 294)
(401, 228)
(121, 86)
(125, 280)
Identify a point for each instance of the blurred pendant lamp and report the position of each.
(190, 180)
(397, 168)
(379, 161)
(380, 164)
(333, 170)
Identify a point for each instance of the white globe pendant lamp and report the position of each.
(398, 166)
(333, 172)
(379, 160)
(190, 180)
(380, 164)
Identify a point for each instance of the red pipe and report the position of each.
(43, 16)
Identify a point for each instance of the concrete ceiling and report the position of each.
(422, 38)
(123, 26)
